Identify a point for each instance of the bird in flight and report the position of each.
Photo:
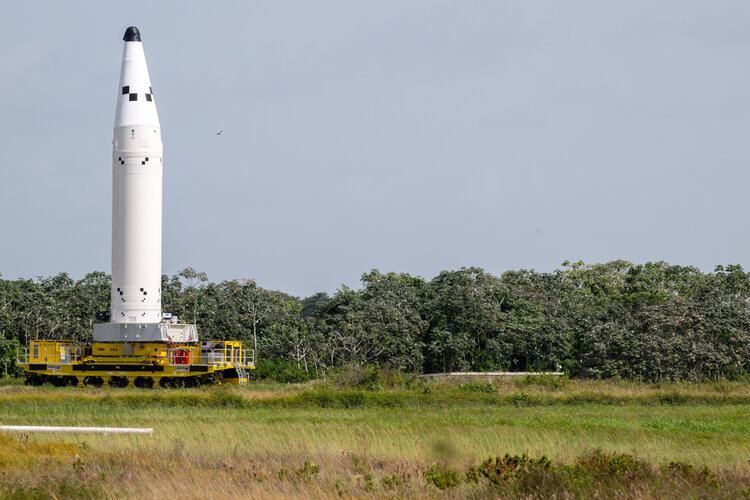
(219, 132)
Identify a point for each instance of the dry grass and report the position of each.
(242, 442)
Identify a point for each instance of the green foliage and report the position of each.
(9, 348)
(442, 477)
(390, 481)
(369, 482)
(353, 376)
(613, 464)
(280, 370)
(522, 399)
(498, 469)
(308, 470)
(686, 472)
(616, 320)
(224, 398)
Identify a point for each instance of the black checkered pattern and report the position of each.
(122, 162)
(133, 96)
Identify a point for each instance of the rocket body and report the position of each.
(136, 193)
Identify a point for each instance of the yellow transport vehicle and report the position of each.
(136, 364)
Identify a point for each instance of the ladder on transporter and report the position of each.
(242, 374)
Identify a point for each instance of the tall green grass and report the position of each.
(236, 441)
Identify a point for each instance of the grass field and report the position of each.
(314, 440)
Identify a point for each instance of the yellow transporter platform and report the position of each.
(144, 364)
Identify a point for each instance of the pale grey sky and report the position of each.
(409, 136)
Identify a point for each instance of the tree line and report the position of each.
(650, 321)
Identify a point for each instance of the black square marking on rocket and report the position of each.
(143, 163)
(126, 89)
(141, 289)
(148, 97)
(133, 97)
(147, 158)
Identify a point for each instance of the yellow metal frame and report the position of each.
(145, 364)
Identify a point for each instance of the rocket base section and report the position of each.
(145, 332)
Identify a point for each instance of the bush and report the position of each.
(442, 477)
(280, 370)
(353, 376)
(572, 368)
(613, 464)
(394, 378)
(308, 470)
(498, 470)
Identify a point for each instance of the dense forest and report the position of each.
(651, 321)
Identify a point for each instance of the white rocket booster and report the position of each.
(136, 212)
(136, 192)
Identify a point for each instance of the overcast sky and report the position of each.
(408, 136)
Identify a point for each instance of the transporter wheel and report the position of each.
(61, 381)
(119, 382)
(170, 382)
(34, 380)
(144, 382)
(64, 381)
(94, 381)
(191, 382)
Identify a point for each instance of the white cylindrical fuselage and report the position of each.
(136, 194)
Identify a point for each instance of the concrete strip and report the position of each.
(75, 430)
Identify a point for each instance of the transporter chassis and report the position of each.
(136, 364)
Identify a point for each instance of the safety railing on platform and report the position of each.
(59, 356)
(182, 357)
(228, 358)
(223, 358)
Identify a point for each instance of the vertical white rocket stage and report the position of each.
(136, 193)
(137, 210)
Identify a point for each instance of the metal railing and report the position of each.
(226, 357)
(59, 356)
(219, 358)
(179, 357)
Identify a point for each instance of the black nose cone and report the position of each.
(132, 35)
